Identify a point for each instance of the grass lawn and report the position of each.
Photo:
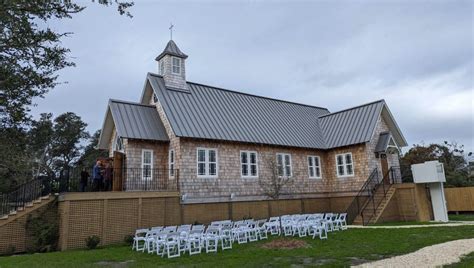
(461, 217)
(466, 262)
(401, 223)
(341, 249)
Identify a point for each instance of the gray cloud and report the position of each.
(417, 55)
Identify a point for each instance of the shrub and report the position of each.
(43, 228)
(128, 239)
(92, 241)
(10, 250)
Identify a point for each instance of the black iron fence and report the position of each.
(26, 194)
(119, 179)
(372, 193)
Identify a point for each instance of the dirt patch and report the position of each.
(285, 244)
(115, 264)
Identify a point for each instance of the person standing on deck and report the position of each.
(84, 178)
(96, 177)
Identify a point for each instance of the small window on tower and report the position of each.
(176, 65)
(162, 68)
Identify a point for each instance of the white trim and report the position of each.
(314, 167)
(344, 165)
(171, 164)
(207, 163)
(179, 66)
(151, 164)
(284, 165)
(249, 165)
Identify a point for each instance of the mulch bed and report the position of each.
(285, 244)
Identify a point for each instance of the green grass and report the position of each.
(401, 223)
(466, 262)
(461, 217)
(341, 249)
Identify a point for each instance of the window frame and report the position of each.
(179, 65)
(171, 163)
(314, 167)
(284, 165)
(115, 142)
(207, 163)
(143, 164)
(249, 164)
(162, 67)
(344, 165)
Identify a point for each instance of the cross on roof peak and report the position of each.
(171, 31)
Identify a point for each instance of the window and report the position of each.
(162, 68)
(147, 164)
(206, 162)
(171, 162)
(176, 65)
(314, 167)
(284, 165)
(118, 143)
(344, 165)
(248, 164)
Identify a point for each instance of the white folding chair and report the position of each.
(194, 243)
(138, 239)
(211, 239)
(225, 237)
(172, 245)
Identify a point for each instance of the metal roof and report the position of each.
(213, 113)
(351, 126)
(171, 49)
(137, 121)
(382, 143)
(220, 114)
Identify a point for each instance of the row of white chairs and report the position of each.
(173, 241)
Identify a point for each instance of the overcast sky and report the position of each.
(417, 55)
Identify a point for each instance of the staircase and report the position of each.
(26, 197)
(374, 196)
(28, 208)
(372, 212)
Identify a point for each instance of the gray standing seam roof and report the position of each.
(207, 112)
(171, 49)
(382, 143)
(137, 121)
(219, 114)
(351, 126)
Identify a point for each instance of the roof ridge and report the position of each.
(132, 103)
(258, 96)
(248, 94)
(352, 108)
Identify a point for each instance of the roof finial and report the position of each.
(171, 31)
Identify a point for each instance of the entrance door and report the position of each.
(384, 164)
(118, 171)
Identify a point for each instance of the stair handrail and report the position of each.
(23, 194)
(388, 179)
(355, 208)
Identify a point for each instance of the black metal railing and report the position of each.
(371, 195)
(25, 194)
(360, 200)
(380, 193)
(119, 179)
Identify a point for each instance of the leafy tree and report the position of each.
(31, 53)
(452, 155)
(69, 132)
(39, 147)
(91, 153)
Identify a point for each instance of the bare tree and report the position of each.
(272, 180)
